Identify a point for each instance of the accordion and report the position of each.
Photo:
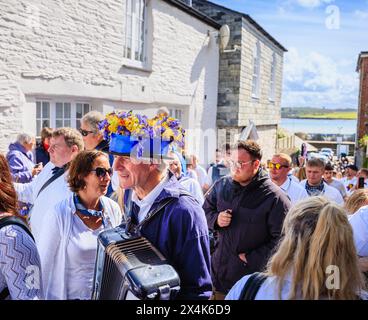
(130, 268)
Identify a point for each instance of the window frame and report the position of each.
(53, 114)
(41, 118)
(256, 70)
(133, 16)
(272, 93)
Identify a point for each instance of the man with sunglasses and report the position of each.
(279, 169)
(93, 140)
(247, 210)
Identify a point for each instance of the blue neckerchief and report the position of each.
(89, 212)
(315, 190)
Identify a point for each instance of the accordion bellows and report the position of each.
(130, 267)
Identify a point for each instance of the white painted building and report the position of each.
(60, 59)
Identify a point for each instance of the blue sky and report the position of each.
(323, 38)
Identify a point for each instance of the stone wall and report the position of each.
(235, 103)
(229, 73)
(362, 123)
(261, 110)
(73, 49)
(363, 99)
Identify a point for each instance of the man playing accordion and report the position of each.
(179, 229)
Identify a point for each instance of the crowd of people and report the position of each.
(237, 229)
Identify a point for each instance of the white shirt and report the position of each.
(269, 289)
(81, 256)
(329, 192)
(193, 187)
(339, 186)
(294, 190)
(349, 184)
(55, 192)
(359, 223)
(202, 175)
(294, 178)
(146, 203)
(55, 239)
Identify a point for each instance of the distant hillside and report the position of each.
(318, 113)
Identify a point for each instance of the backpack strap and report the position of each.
(252, 286)
(4, 294)
(135, 229)
(12, 220)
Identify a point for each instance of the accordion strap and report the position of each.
(135, 229)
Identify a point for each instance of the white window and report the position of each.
(256, 70)
(63, 114)
(42, 115)
(81, 110)
(134, 31)
(59, 113)
(177, 114)
(273, 77)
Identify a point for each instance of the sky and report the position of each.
(323, 39)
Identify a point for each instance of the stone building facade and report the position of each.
(362, 123)
(250, 78)
(60, 59)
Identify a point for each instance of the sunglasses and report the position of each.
(239, 164)
(101, 172)
(276, 166)
(85, 133)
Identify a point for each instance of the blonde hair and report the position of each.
(316, 235)
(301, 174)
(358, 198)
(284, 157)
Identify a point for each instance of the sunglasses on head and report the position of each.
(101, 172)
(276, 166)
(85, 133)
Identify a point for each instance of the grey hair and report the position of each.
(93, 118)
(163, 110)
(25, 138)
(163, 166)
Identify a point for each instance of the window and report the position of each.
(256, 70)
(177, 114)
(81, 110)
(63, 114)
(272, 80)
(57, 114)
(42, 115)
(133, 39)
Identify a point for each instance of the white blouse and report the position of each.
(81, 257)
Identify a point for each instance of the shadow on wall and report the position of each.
(202, 63)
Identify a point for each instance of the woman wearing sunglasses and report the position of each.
(69, 245)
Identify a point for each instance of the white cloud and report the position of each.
(313, 3)
(316, 80)
(361, 14)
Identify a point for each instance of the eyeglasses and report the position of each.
(101, 172)
(276, 166)
(239, 164)
(85, 133)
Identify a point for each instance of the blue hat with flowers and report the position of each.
(138, 136)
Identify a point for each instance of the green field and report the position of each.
(332, 115)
